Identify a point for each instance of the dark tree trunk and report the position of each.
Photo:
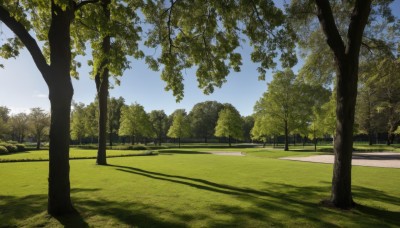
(346, 63)
(229, 141)
(110, 136)
(370, 138)
(315, 144)
(38, 142)
(101, 79)
(60, 95)
(286, 137)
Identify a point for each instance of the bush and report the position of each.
(137, 147)
(11, 148)
(3, 150)
(20, 147)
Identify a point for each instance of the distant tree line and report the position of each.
(209, 120)
(20, 127)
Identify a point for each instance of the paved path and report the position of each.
(381, 159)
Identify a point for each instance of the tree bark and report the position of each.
(346, 63)
(60, 95)
(286, 137)
(38, 141)
(101, 79)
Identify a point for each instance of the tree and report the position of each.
(135, 122)
(339, 19)
(208, 33)
(4, 117)
(204, 118)
(386, 80)
(114, 115)
(159, 120)
(284, 103)
(19, 126)
(248, 124)
(39, 121)
(78, 129)
(264, 127)
(180, 126)
(51, 23)
(113, 35)
(90, 119)
(229, 124)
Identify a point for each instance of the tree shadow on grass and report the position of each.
(289, 200)
(171, 152)
(31, 210)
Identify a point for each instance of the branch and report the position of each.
(30, 43)
(325, 17)
(169, 26)
(359, 18)
(82, 3)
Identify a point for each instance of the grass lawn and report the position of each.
(74, 154)
(189, 188)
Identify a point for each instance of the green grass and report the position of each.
(40, 155)
(188, 188)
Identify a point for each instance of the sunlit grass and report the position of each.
(180, 189)
(74, 153)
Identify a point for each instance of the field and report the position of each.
(190, 188)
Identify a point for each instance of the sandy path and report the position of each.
(227, 153)
(381, 159)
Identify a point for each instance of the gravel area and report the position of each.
(380, 159)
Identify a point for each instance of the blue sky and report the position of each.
(22, 86)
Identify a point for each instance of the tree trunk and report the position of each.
(286, 137)
(38, 142)
(229, 141)
(346, 64)
(370, 138)
(110, 136)
(315, 144)
(205, 139)
(60, 95)
(101, 79)
(179, 142)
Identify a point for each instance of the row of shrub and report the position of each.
(6, 148)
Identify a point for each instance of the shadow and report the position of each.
(72, 220)
(171, 152)
(377, 156)
(193, 182)
(270, 204)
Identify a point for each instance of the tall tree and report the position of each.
(248, 124)
(114, 115)
(229, 124)
(4, 117)
(159, 120)
(343, 25)
(135, 122)
(180, 126)
(78, 129)
(113, 34)
(19, 126)
(51, 23)
(204, 118)
(283, 103)
(39, 121)
(90, 119)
